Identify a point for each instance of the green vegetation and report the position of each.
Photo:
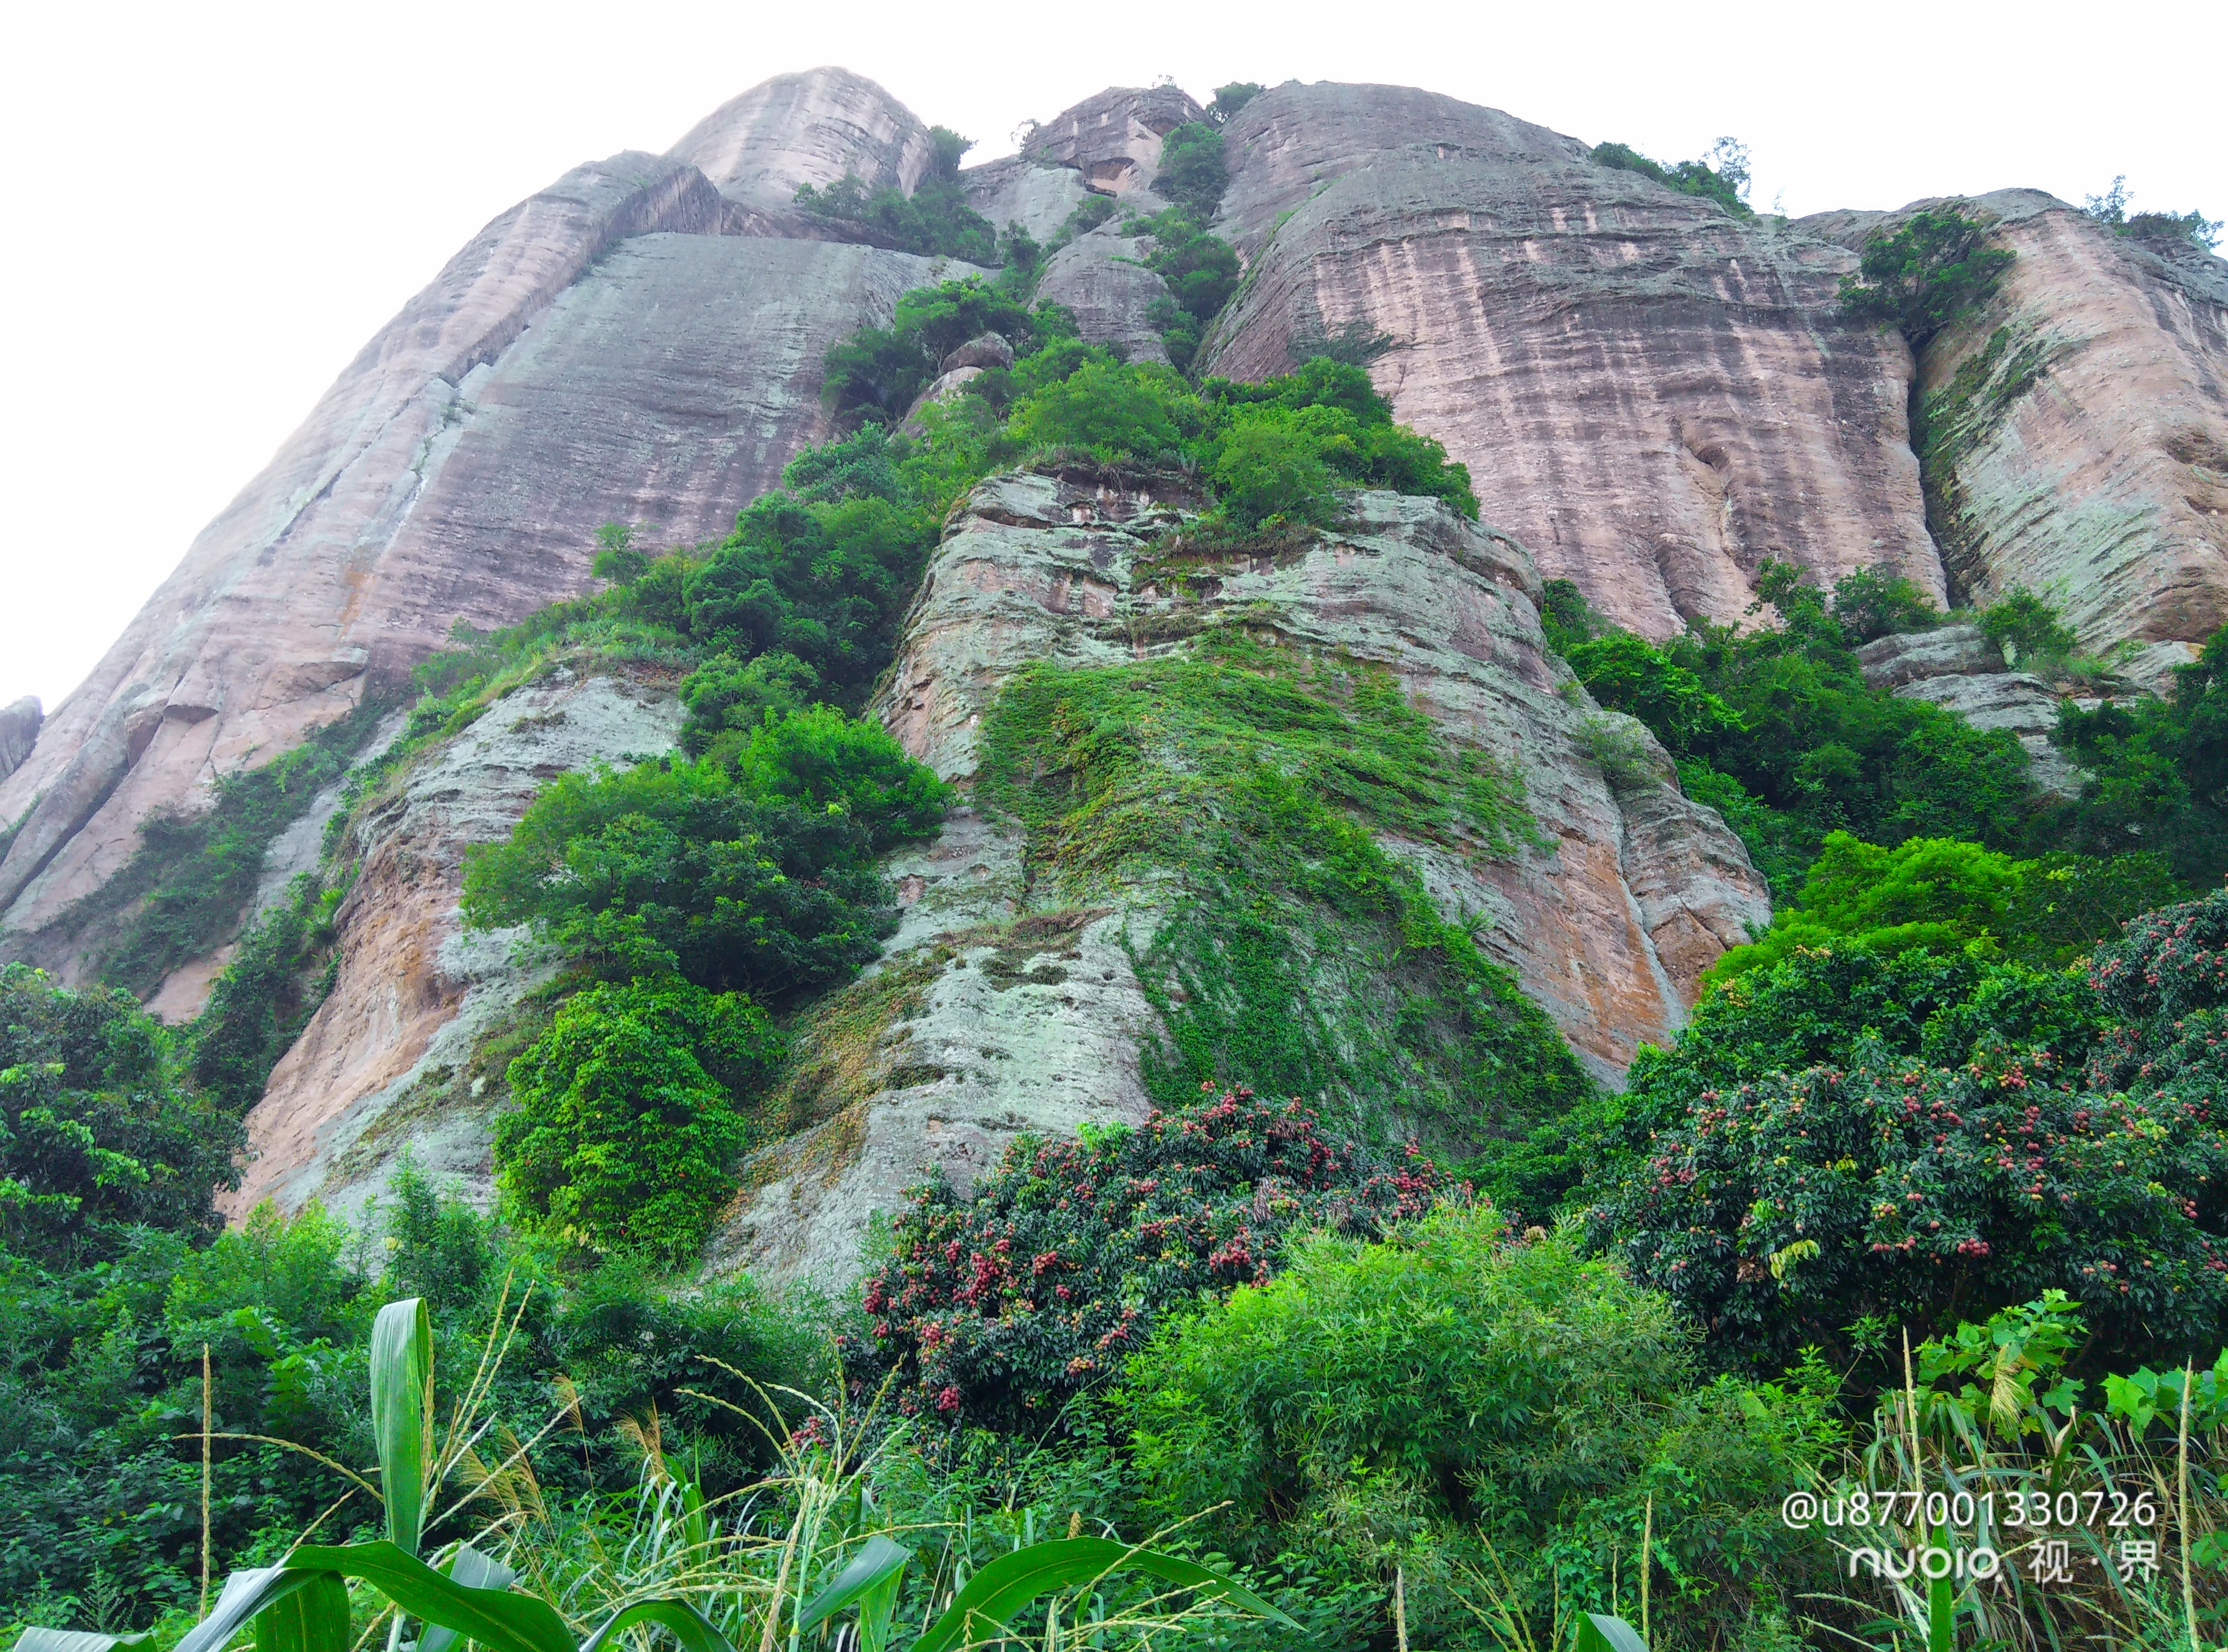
(1934, 268)
(1721, 175)
(2004, 1131)
(1296, 952)
(2110, 209)
(935, 220)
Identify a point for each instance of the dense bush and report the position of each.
(1415, 1400)
(628, 1123)
(1726, 183)
(2158, 771)
(2110, 209)
(997, 1306)
(756, 876)
(1776, 725)
(2016, 1141)
(935, 220)
(1931, 269)
(100, 1131)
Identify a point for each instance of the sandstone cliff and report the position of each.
(1652, 395)
(2076, 429)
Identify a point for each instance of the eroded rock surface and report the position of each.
(814, 128)
(386, 1064)
(602, 352)
(19, 733)
(1652, 395)
(1102, 279)
(2077, 435)
(1113, 141)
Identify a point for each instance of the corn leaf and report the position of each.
(999, 1590)
(877, 1606)
(498, 1619)
(880, 1559)
(313, 1618)
(246, 1594)
(474, 1571)
(1598, 1632)
(401, 1404)
(689, 1627)
(35, 1639)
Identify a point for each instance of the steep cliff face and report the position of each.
(397, 1058)
(627, 345)
(1653, 396)
(2076, 429)
(814, 128)
(1005, 1005)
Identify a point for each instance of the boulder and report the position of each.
(19, 733)
(1947, 650)
(1113, 140)
(2022, 706)
(1102, 279)
(987, 351)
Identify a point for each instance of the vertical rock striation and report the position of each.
(2076, 427)
(1653, 394)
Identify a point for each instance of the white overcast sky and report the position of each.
(215, 205)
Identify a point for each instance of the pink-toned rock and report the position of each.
(2077, 428)
(1652, 395)
(600, 352)
(813, 128)
(1113, 140)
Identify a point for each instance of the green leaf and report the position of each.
(498, 1619)
(401, 1405)
(880, 1559)
(690, 1627)
(472, 1570)
(313, 1618)
(35, 1639)
(876, 1607)
(246, 1594)
(1598, 1632)
(1012, 1581)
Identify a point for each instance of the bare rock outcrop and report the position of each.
(1113, 141)
(1102, 279)
(1652, 395)
(603, 351)
(2077, 439)
(991, 1015)
(386, 1064)
(814, 128)
(1947, 650)
(19, 733)
(1014, 189)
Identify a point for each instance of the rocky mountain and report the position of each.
(1653, 396)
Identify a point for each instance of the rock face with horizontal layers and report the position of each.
(990, 1015)
(1653, 394)
(626, 345)
(2076, 428)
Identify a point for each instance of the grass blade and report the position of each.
(689, 1626)
(401, 1406)
(35, 1639)
(881, 1557)
(998, 1591)
(313, 1618)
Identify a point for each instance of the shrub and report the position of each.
(2110, 209)
(1111, 411)
(997, 1306)
(1192, 173)
(99, 1133)
(1414, 1400)
(935, 220)
(627, 1124)
(1933, 892)
(1273, 471)
(2010, 1143)
(1874, 602)
(675, 866)
(2027, 630)
(1724, 183)
(1933, 268)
